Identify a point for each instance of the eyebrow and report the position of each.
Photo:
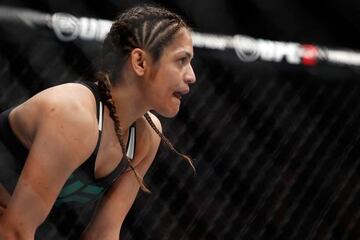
(189, 55)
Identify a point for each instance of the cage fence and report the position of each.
(276, 147)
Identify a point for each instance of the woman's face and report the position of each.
(171, 75)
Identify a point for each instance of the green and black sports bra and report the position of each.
(82, 186)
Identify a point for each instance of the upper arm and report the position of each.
(62, 141)
(118, 200)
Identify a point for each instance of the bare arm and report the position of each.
(113, 208)
(4, 199)
(62, 141)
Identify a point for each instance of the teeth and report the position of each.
(178, 95)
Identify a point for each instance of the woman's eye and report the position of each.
(182, 61)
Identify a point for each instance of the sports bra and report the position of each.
(82, 186)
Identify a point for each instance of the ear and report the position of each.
(139, 61)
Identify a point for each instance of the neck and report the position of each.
(129, 104)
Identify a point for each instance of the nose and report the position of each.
(190, 77)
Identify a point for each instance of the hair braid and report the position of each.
(167, 142)
(105, 93)
(149, 27)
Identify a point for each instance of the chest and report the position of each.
(110, 153)
(81, 188)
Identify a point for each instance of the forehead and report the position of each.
(181, 43)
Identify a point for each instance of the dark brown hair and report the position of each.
(147, 27)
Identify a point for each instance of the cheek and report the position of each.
(165, 82)
(165, 91)
(159, 92)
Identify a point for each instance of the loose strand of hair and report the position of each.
(168, 143)
(105, 91)
(119, 133)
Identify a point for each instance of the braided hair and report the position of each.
(147, 27)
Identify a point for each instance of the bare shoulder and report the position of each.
(146, 128)
(146, 137)
(155, 121)
(71, 96)
(63, 113)
(67, 100)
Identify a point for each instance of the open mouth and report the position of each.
(177, 95)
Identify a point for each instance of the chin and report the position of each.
(168, 114)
